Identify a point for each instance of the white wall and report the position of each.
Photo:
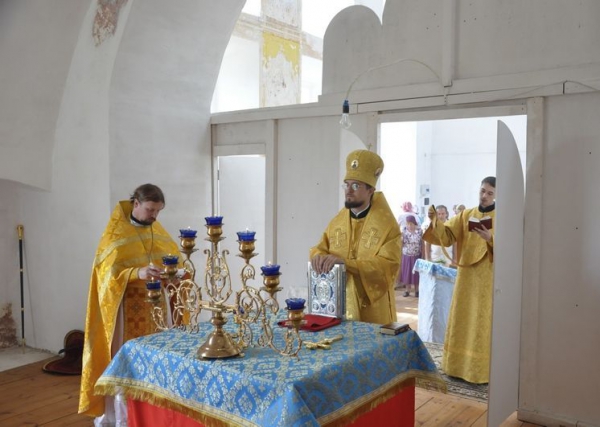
(59, 259)
(37, 39)
(134, 109)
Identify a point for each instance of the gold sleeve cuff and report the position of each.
(135, 275)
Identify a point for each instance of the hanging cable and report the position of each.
(20, 232)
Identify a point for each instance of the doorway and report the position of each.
(442, 162)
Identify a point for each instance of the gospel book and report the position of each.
(327, 292)
(477, 223)
(394, 328)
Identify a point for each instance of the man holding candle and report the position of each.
(366, 238)
(129, 255)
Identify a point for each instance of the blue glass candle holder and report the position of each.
(187, 232)
(270, 269)
(295, 303)
(214, 220)
(153, 285)
(246, 236)
(170, 260)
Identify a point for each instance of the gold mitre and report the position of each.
(364, 166)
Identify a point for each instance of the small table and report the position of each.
(320, 387)
(436, 284)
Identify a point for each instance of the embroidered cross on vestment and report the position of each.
(339, 238)
(370, 239)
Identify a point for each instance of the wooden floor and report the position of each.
(31, 397)
(437, 409)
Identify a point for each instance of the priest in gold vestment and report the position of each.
(364, 236)
(129, 254)
(467, 343)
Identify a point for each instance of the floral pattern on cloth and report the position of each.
(264, 388)
(411, 242)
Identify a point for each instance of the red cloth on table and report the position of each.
(315, 322)
(398, 411)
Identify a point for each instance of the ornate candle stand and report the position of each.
(252, 307)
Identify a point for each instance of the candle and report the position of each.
(295, 303)
(246, 236)
(153, 285)
(270, 269)
(187, 232)
(170, 259)
(214, 220)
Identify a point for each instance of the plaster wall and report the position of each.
(161, 90)
(9, 248)
(37, 39)
(133, 108)
(64, 224)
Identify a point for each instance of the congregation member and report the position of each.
(412, 248)
(365, 237)
(467, 343)
(407, 209)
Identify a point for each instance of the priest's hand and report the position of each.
(432, 213)
(484, 233)
(324, 263)
(149, 272)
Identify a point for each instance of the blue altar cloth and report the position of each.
(435, 269)
(436, 285)
(264, 388)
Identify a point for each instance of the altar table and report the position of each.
(436, 284)
(366, 370)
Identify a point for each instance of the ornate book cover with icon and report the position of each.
(327, 292)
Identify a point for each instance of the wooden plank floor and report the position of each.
(31, 397)
(438, 409)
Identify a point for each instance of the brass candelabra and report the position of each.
(253, 310)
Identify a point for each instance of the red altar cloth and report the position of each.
(398, 411)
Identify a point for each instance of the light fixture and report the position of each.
(345, 121)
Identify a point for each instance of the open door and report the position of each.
(508, 272)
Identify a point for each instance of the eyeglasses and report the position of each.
(354, 186)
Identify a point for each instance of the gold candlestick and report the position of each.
(253, 309)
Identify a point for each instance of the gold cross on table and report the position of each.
(370, 238)
(324, 344)
(339, 238)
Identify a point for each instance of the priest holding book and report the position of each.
(467, 343)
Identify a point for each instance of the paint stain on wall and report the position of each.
(105, 21)
(280, 83)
